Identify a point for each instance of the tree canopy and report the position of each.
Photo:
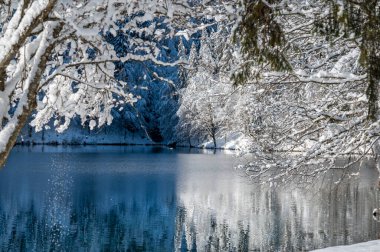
(55, 56)
(287, 76)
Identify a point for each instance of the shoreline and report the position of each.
(123, 144)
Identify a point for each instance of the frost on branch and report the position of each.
(326, 107)
(70, 72)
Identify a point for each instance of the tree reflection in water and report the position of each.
(228, 215)
(183, 202)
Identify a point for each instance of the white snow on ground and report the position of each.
(116, 134)
(78, 135)
(234, 141)
(371, 246)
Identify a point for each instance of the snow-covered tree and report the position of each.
(203, 99)
(314, 79)
(54, 57)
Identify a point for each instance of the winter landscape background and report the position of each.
(292, 86)
(170, 109)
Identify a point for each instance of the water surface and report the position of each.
(157, 199)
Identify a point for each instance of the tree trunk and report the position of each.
(373, 100)
(31, 98)
(14, 48)
(213, 132)
(213, 139)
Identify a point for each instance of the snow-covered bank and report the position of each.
(78, 135)
(116, 134)
(230, 141)
(233, 141)
(370, 246)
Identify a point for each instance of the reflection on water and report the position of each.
(228, 215)
(144, 199)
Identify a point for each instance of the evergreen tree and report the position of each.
(359, 20)
(261, 38)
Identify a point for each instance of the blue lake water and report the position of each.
(157, 199)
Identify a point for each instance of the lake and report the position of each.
(130, 198)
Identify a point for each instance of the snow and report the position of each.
(370, 246)
(184, 34)
(233, 141)
(76, 134)
(12, 35)
(7, 132)
(92, 124)
(312, 118)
